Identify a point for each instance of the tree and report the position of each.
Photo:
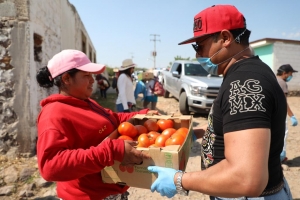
(180, 58)
(110, 71)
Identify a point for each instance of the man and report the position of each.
(285, 74)
(244, 137)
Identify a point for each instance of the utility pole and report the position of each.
(132, 55)
(154, 52)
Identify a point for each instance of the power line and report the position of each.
(154, 52)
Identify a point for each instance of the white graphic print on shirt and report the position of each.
(246, 97)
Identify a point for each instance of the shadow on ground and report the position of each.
(46, 198)
(293, 163)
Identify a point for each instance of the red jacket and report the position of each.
(70, 147)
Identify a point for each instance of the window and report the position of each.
(90, 54)
(83, 43)
(37, 47)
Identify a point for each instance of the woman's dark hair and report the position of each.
(44, 79)
(126, 71)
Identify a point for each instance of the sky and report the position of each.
(122, 29)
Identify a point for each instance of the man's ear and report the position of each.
(65, 78)
(226, 37)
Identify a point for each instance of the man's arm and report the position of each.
(243, 172)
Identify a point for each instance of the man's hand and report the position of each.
(164, 184)
(294, 120)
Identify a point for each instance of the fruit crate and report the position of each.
(174, 156)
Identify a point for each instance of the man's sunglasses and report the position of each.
(197, 47)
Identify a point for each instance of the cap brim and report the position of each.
(93, 68)
(295, 71)
(193, 39)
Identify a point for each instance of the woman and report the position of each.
(125, 101)
(103, 85)
(72, 147)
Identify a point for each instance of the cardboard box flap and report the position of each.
(150, 116)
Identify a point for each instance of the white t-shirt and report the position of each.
(126, 93)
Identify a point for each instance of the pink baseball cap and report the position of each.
(215, 19)
(70, 59)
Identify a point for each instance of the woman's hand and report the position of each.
(131, 155)
(153, 112)
(199, 131)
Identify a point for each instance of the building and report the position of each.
(276, 52)
(31, 32)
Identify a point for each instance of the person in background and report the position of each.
(103, 85)
(72, 146)
(151, 98)
(240, 150)
(284, 75)
(140, 88)
(160, 76)
(125, 101)
(115, 80)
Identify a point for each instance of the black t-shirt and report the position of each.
(249, 97)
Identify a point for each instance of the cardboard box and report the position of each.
(174, 156)
(145, 76)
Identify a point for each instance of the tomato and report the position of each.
(130, 169)
(168, 132)
(183, 131)
(163, 124)
(141, 129)
(126, 128)
(122, 168)
(136, 138)
(175, 139)
(153, 135)
(144, 140)
(151, 125)
(125, 137)
(161, 140)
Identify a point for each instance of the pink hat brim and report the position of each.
(92, 67)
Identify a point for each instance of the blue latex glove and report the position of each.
(164, 184)
(282, 156)
(294, 121)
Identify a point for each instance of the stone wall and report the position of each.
(31, 32)
(8, 116)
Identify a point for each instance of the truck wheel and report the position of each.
(183, 106)
(166, 94)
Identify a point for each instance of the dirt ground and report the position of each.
(291, 167)
(166, 106)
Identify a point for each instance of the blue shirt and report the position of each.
(140, 88)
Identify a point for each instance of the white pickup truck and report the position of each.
(188, 82)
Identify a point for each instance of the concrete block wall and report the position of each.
(286, 53)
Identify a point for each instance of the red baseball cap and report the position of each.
(69, 59)
(215, 19)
